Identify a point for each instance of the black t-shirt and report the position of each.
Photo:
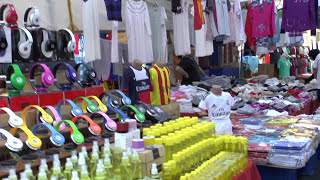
(191, 67)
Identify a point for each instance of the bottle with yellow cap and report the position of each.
(156, 133)
(158, 141)
(166, 171)
(149, 141)
(169, 128)
(163, 131)
(169, 149)
(176, 158)
(145, 131)
(173, 169)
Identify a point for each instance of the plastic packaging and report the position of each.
(74, 159)
(85, 154)
(154, 172)
(56, 168)
(106, 149)
(136, 166)
(125, 168)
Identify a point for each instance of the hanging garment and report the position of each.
(158, 20)
(304, 65)
(283, 67)
(240, 34)
(304, 20)
(160, 94)
(220, 29)
(138, 31)
(192, 32)
(276, 37)
(123, 55)
(198, 14)
(252, 61)
(181, 32)
(91, 30)
(176, 6)
(113, 10)
(114, 46)
(103, 66)
(244, 16)
(232, 25)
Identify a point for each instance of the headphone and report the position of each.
(90, 107)
(56, 138)
(11, 16)
(12, 143)
(48, 43)
(75, 111)
(76, 135)
(123, 116)
(113, 102)
(56, 116)
(47, 77)
(71, 43)
(3, 39)
(34, 17)
(24, 45)
(93, 127)
(33, 142)
(71, 75)
(15, 80)
(107, 121)
(138, 115)
(45, 117)
(102, 107)
(14, 120)
(90, 74)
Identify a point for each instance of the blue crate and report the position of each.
(268, 173)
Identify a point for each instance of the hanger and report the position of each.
(155, 3)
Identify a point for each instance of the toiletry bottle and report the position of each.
(43, 163)
(107, 166)
(136, 166)
(116, 160)
(154, 172)
(85, 154)
(84, 173)
(106, 149)
(12, 174)
(56, 169)
(42, 175)
(129, 153)
(100, 175)
(96, 145)
(125, 168)
(29, 172)
(93, 161)
(68, 169)
(81, 162)
(75, 175)
(74, 159)
(23, 176)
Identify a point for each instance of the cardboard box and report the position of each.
(147, 157)
(124, 140)
(173, 109)
(266, 69)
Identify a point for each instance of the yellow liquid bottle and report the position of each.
(166, 171)
(74, 159)
(116, 161)
(75, 175)
(93, 161)
(84, 173)
(168, 148)
(56, 168)
(136, 166)
(81, 162)
(43, 163)
(154, 172)
(68, 169)
(125, 168)
(96, 145)
(85, 153)
(42, 175)
(100, 175)
(106, 149)
(107, 167)
(29, 172)
(12, 175)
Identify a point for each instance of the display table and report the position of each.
(250, 173)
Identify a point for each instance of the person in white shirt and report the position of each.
(219, 105)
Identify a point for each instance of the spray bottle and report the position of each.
(68, 169)
(154, 172)
(23, 176)
(129, 153)
(56, 168)
(42, 175)
(116, 161)
(125, 168)
(12, 174)
(136, 166)
(85, 153)
(107, 166)
(93, 161)
(29, 172)
(75, 175)
(106, 149)
(95, 145)
(81, 162)
(74, 159)
(100, 175)
(43, 163)
(84, 173)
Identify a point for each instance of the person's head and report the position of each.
(313, 53)
(192, 52)
(284, 54)
(216, 90)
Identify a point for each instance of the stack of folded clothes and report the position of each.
(255, 120)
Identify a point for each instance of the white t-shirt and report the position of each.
(315, 65)
(219, 107)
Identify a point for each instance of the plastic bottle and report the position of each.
(56, 168)
(106, 149)
(93, 161)
(136, 166)
(81, 162)
(85, 153)
(75, 175)
(42, 173)
(116, 161)
(169, 148)
(96, 145)
(154, 172)
(12, 174)
(23, 176)
(68, 169)
(74, 159)
(166, 171)
(129, 153)
(100, 175)
(125, 168)
(29, 172)
(43, 163)
(107, 166)
(84, 175)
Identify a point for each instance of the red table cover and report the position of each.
(250, 173)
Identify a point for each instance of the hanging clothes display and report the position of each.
(240, 34)
(232, 26)
(181, 32)
(114, 47)
(204, 47)
(198, 14)
(91, 30)
(113, 10)
(158, 19)
(283, 67)
(218, 13)
(298, 15)
(138, 31)
(102, 67)
(276, 37)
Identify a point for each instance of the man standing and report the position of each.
(218, 104)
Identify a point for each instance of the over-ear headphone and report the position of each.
(12, 143)
(47, 77)
(93, 127)
(56, 138)
(107, 121)
(138, 115)
(115, 103)
(48, 43)
(90, 107)
(14, 120)
(90, 74)
(71, 75)
(11, 16)
(102, 107)
(34, 17)
(15, 80)
(75, 111)
(123, 116)
(45, 117)
(3, 39)
(76, 135)
(24, 46)
(55, 114)
(71, 43)
(33, 142)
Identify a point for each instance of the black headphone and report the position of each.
(48, 43)
(3, 39)
(90, 74)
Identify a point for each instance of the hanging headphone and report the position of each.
(15, 80)
(103, 108)
(56, 138)
(34, 17)
(71, 43)
(75, 111)
(90, 107)
(12, 143)
(115, 103)
(24, 45)
(93, 127)
(123, 116)
(107, 121)
(90, 74)
(47, 77)
(3, 39)
(45, 117)
(14, 120)
(48, 43)
(11, 17)
(138, 115)
(33, 142)
(71, 75)
(55, 114)
(76, 135)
